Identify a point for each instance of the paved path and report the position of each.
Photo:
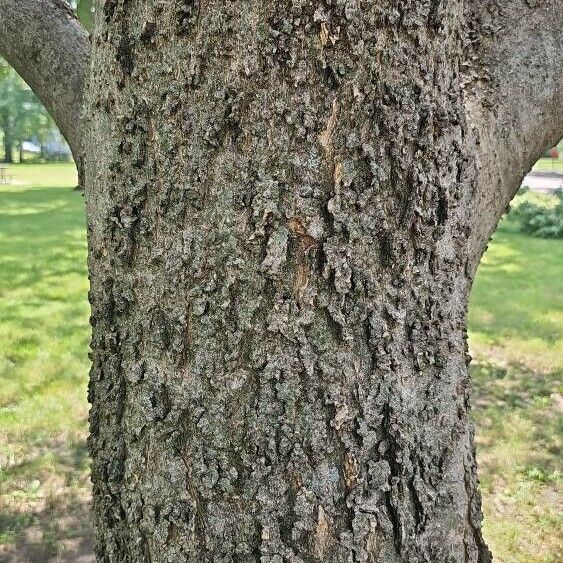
(544, 182)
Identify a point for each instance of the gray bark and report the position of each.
(513, 90)
(50, 50)
(278, 201)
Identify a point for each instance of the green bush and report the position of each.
(540, 220)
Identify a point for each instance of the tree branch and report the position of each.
(49, 48)
(514, 97)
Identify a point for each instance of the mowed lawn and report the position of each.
(44, 335)
(516, 337)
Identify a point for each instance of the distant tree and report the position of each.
(22, 115)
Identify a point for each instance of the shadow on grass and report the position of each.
(42, 537)
(518, 410)
(518, 417)
(48, 526)
(42, 237)
(495, 386)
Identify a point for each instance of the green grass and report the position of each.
(44, 338)
(516, 313)
(549, 164)
(516, 336)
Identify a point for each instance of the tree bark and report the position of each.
(279, 229)
(513, 92)
(50, 50)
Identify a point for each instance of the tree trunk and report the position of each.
(279, 200)
(8, 148)
(8, 137)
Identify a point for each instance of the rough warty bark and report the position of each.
(287, 201)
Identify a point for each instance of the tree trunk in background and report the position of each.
(279, 199)
(8, 148)
(8, 138)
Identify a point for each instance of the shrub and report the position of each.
(540, 220)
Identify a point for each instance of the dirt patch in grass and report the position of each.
(61, 532)
(519, 419)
